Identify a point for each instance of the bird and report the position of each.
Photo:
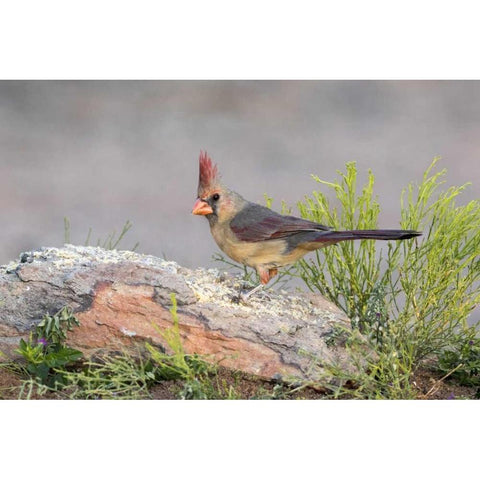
(258, 237)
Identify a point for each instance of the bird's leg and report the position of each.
(272, 272)
(265, 276)
(244, 296)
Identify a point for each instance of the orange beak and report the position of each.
(201, 208)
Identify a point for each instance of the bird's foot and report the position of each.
(243, 297)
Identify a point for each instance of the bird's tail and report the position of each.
(369, 235)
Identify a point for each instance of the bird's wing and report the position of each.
(256, 223)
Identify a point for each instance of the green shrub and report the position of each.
(413, 294)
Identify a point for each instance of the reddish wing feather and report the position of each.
(256, 223)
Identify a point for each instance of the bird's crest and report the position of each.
(208, 177)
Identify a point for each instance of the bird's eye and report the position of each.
(216, 197)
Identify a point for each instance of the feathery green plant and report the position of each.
(110, 377)
(411, 298)
(428, 285)
(347, 272)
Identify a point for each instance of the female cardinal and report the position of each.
(261, 238)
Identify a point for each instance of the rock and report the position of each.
(122, 299)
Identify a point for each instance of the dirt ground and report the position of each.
(428, 384)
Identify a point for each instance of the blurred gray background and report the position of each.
(102, 152)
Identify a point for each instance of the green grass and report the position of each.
(119, 376)
(111, 242)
